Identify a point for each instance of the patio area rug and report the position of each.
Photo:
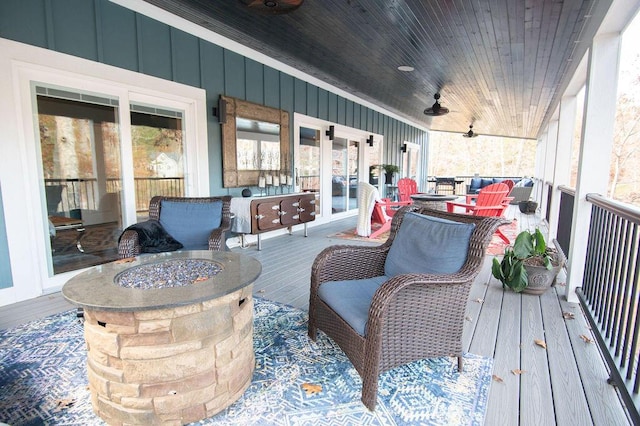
(350, 234)
(43, 380)
(497, 246)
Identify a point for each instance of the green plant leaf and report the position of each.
(540, 244)
(519, 280)
(496, 269)
(523, 246)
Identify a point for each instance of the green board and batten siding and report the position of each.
(101, 31)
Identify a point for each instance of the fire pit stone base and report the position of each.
(170, 366)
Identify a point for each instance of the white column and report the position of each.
(549, 164)
(595, 149)
(539, 170)
(562, 166)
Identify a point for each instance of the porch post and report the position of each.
(562, 166)
(540, 167)
(549, 165)
(595, 149)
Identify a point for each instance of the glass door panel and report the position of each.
(411, 161)
(344, 175)
(353, 161)
(80, 158)
(309, 164)
(375, 159)
(158, 155)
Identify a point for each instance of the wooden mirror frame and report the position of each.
(233, 107)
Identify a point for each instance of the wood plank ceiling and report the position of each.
(499, 64)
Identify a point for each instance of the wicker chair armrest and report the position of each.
(129, 245)
(338, 262)
(395, 299)
(217, 240)
(154, 207)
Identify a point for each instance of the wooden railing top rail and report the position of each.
(625, 211)
(567, 190)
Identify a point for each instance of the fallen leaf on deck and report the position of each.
(125, 260)
(568, 315)
(63, 404)
(200, 279)
(517, 372)
(541, 343)
(311, 389)
(586, 339)
(468, 318)
(497, 378)
(479, 300)
(261, 291)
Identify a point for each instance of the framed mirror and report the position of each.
(255, 142)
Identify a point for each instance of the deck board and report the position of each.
(562, 365)
(505, 394)
(535, 384)
(603, 399)
(564, 385)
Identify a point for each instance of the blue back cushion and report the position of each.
(191, 223)
(486, 182)
(428, 245)
(476, 183)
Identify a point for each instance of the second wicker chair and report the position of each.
(402, 301)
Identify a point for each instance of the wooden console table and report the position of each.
(266, 214)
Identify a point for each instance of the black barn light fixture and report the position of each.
(331, 132)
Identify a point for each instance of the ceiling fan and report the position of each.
(272, 7)
(436, 109)
(470, 133)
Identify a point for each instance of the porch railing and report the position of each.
(610, 293)
(80, 194)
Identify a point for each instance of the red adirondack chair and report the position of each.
(406, 188)
(490, 201)
(373, 209)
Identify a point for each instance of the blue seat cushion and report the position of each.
(351, 299)
(428, 245)
(191, 223)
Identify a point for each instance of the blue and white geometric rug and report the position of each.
(43, 380)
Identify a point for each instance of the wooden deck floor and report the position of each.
(564, 384)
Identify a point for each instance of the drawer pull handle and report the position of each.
(275, 221)
(282, 213)
(312, 201)
(275, 207)
(312, 213)
(296, 217)
(295, 204)
(259, 216)
(301, 210)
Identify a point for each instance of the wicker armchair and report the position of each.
(411, 316)
(129, 245)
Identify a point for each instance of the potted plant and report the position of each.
(389, 170)
(373, 174)
(528, 207)
(529, 266)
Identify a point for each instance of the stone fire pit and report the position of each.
(169, 336)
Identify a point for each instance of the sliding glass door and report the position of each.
(344, 174)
